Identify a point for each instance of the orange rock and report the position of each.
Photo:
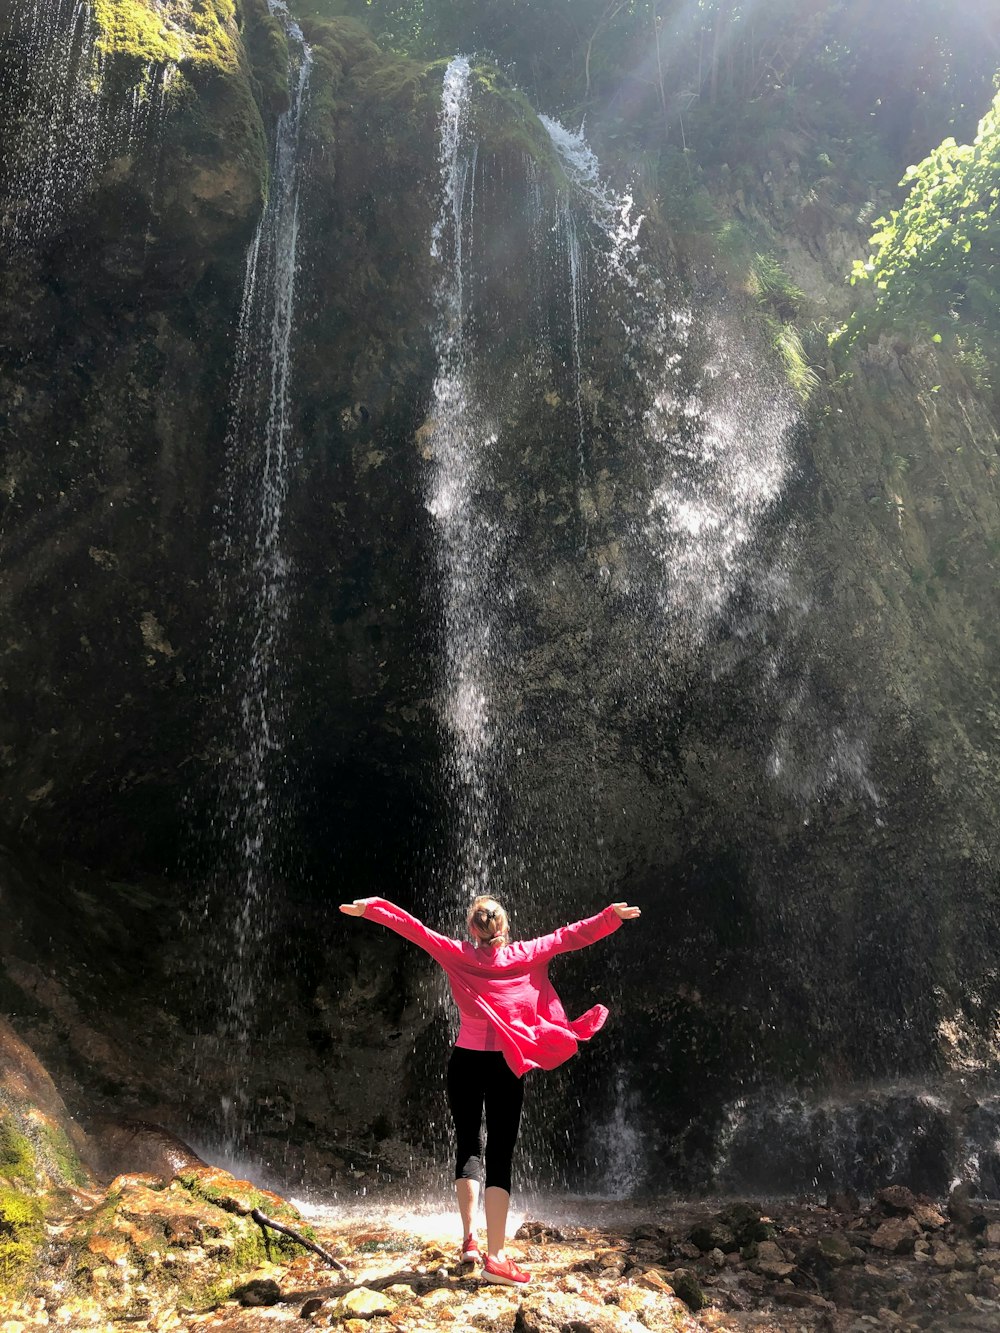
(653, 1277)
(108, 1247)
(631, 1299)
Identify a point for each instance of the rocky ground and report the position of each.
(141, 1256)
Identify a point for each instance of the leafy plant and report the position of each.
(935, 261)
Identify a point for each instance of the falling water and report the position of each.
(255, 597)
(715, 449)
(51, 77)
(459, 442)
(62, 122)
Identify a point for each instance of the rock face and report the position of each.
(802, 793)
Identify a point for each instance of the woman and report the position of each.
(512, 1021)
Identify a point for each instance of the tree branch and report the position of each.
(264, 1222)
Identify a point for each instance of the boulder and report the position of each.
(843, 1201)
(896, 1235)
(712, 1236)
(836, 1249)
(746, 1223)
(258, 1291)
(896, 1200)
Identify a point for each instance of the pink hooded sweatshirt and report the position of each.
(510, 986)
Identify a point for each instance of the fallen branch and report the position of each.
(264, 1222)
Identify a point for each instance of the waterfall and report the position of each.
(715, 443)
(50, 80)
(254, 592)
(459, 442)
(62, 125)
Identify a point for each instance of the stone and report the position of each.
(843, 1201)
(896, 1199)
(557, 1312)
(310, 1307)
(712, 1236)
(772, 1261)
(363, 1303)
(992, 1235)
(836, 1249)
(943, 1257)
(965, 1255)
(746, 1223)
(896, 1235)
(967, 1216)
(540, 1232)
(258, 1291)
(657, 1279)
(929, 1217)
(687, 1286)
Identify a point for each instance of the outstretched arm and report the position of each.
(440, 947)
(579, 934)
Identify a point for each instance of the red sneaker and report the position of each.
(504, 1271)
(470, 1250)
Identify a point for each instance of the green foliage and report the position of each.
(769, 282)
(935, 261)
(800, 374)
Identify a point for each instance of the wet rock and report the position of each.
(363, 1303)
(650, 1231)
(843, 1201)
(967, 1216)
(712, 1236)
(836, 1250)
(117, 1145)
(929, 1217)
(258, 1291)
(771, 1260)
(965, 1255)
(797, 1299)
(943, 1256)
(896, 1199)
(562, 1312)
(687, 1286)
(539, 1232)
(897, 1235)
(746, 1223)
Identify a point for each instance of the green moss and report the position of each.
(22, 1232)
(55, 1145)
(267, 50)
(203, 35)
(130, 28)
(17, 1157)
(213, 39)
(506, 122)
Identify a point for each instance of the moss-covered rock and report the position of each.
(200, 32)
(192, 1236)
(22, 1234)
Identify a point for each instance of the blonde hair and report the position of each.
(487, 922)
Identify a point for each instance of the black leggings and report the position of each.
(477, 1079)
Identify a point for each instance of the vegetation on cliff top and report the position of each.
(935, 260)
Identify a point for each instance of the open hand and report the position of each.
(622, 911)
(357, 908)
